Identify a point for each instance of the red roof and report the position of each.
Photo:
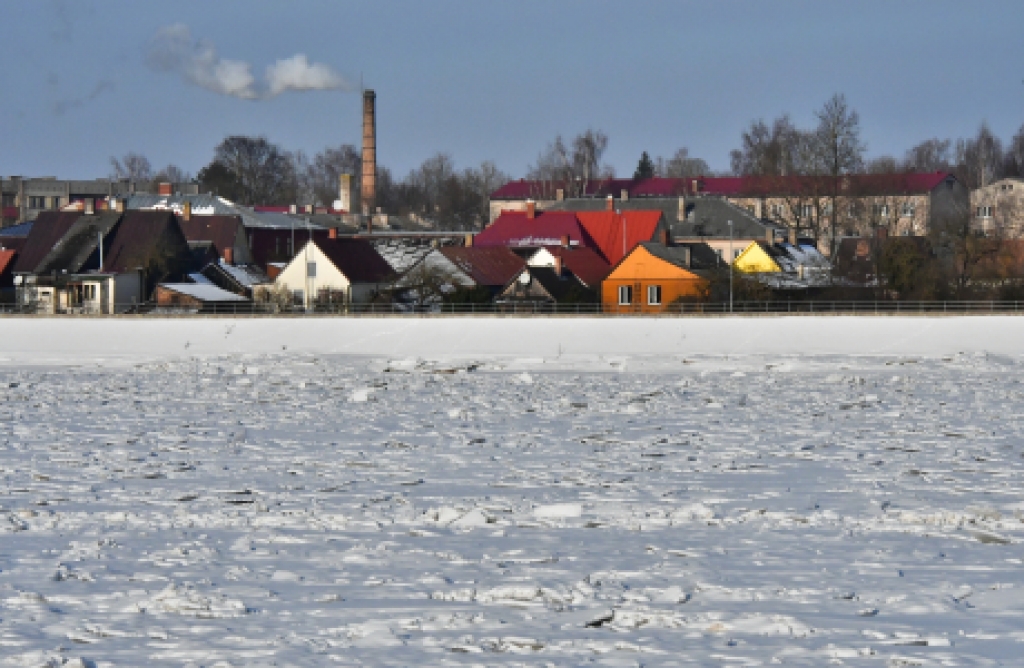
(730, 186)
(616, 234)
(547, 228)
(358, 260)
(7, 260)
(585, 263)
(492, 266)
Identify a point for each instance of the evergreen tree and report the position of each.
(645, 168)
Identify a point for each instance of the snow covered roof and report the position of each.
(212, 205)
(245, 275)
(203, 292)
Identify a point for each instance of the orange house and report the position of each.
(653, 276)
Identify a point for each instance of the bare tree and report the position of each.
(133, 166)
(681, 165)
(767, 150)
(839, 150)
(572, 167)
(979, 159)
(319, 177)
(172, 174)
(931, 155)
(264, 173)
(1013, 159)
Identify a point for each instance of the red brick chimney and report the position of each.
(166, 189)
(332, 233)
(229, 255)
(558, 265)
(531, 209)
(565, 241)
(609, 204)
(368, 187)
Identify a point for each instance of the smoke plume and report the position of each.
(173, 49)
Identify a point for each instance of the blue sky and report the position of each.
(498, 80)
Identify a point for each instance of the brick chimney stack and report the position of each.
(609, 204)
(531, 209)
(165, 189)
(368, 189)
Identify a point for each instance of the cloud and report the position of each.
(173, 49)
(61, 107)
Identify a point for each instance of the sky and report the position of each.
(84, 80)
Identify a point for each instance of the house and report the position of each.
(584, 263)
(998, 208)
(24, 198)
(198, 298)
(785, 265)
(547, 286)
(443, 271)
(224, 233)
(653, 276)
(335, 270)
(98, 262)
(239, 279)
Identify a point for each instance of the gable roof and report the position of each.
(138, 239)
(547, 228)
(73, 252)
(674, 256)
(492, 266)
(220, 230)
(48, 229)
(358, 260)
(585, 263)
(560, 288)
(616, 233)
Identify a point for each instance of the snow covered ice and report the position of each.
(300, 508)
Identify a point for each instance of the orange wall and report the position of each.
(641, 269)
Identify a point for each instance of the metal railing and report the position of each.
(531, 309)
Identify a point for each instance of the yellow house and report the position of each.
(757, 258)
(653, 276)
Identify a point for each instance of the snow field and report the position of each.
(302, 509)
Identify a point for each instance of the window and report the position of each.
(776, 210)
(880, 210)
(37, 202)
(984, 212)
(909, 209)
(625, 295)
(297, 296)
(654, 295)
(806, 211)
(311, 269)
(55, 202)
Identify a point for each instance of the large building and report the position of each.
(998, 208)
(25, 198)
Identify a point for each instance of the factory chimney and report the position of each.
(368, 189)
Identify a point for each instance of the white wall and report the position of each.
(294, 276)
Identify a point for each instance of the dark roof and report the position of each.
(7, 260)
(492, 266)
(701, 256)
(49, 228)
(137, 240)
(561, 288)
(13, 243)
(220, 230)
(75, 251)
(584, 263)
(731, 186)
(358, 260)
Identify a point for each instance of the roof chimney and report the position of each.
(624, 195)
(311, 209)
(332, 233)
(88, 206)
(686, 256)
(345, 192)
(166, 189)
(793, 237)
(531, 209)
(119, 205)
(609, 204)
(565, 241)
(469, 241)
(368, 190)
(186, 210)
(558, 265)
(229, 255)
(559, 195)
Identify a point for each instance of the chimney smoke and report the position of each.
(368, 189)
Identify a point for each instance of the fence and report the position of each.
(526, 309)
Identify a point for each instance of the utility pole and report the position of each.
(731, 259)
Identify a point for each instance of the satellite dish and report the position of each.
(524, 278)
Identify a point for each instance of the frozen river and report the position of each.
(294, 509)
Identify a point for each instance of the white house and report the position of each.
(335, 270)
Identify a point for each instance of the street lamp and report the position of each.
(731, 259)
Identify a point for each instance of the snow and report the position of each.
(435, 491)
(205, 292)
